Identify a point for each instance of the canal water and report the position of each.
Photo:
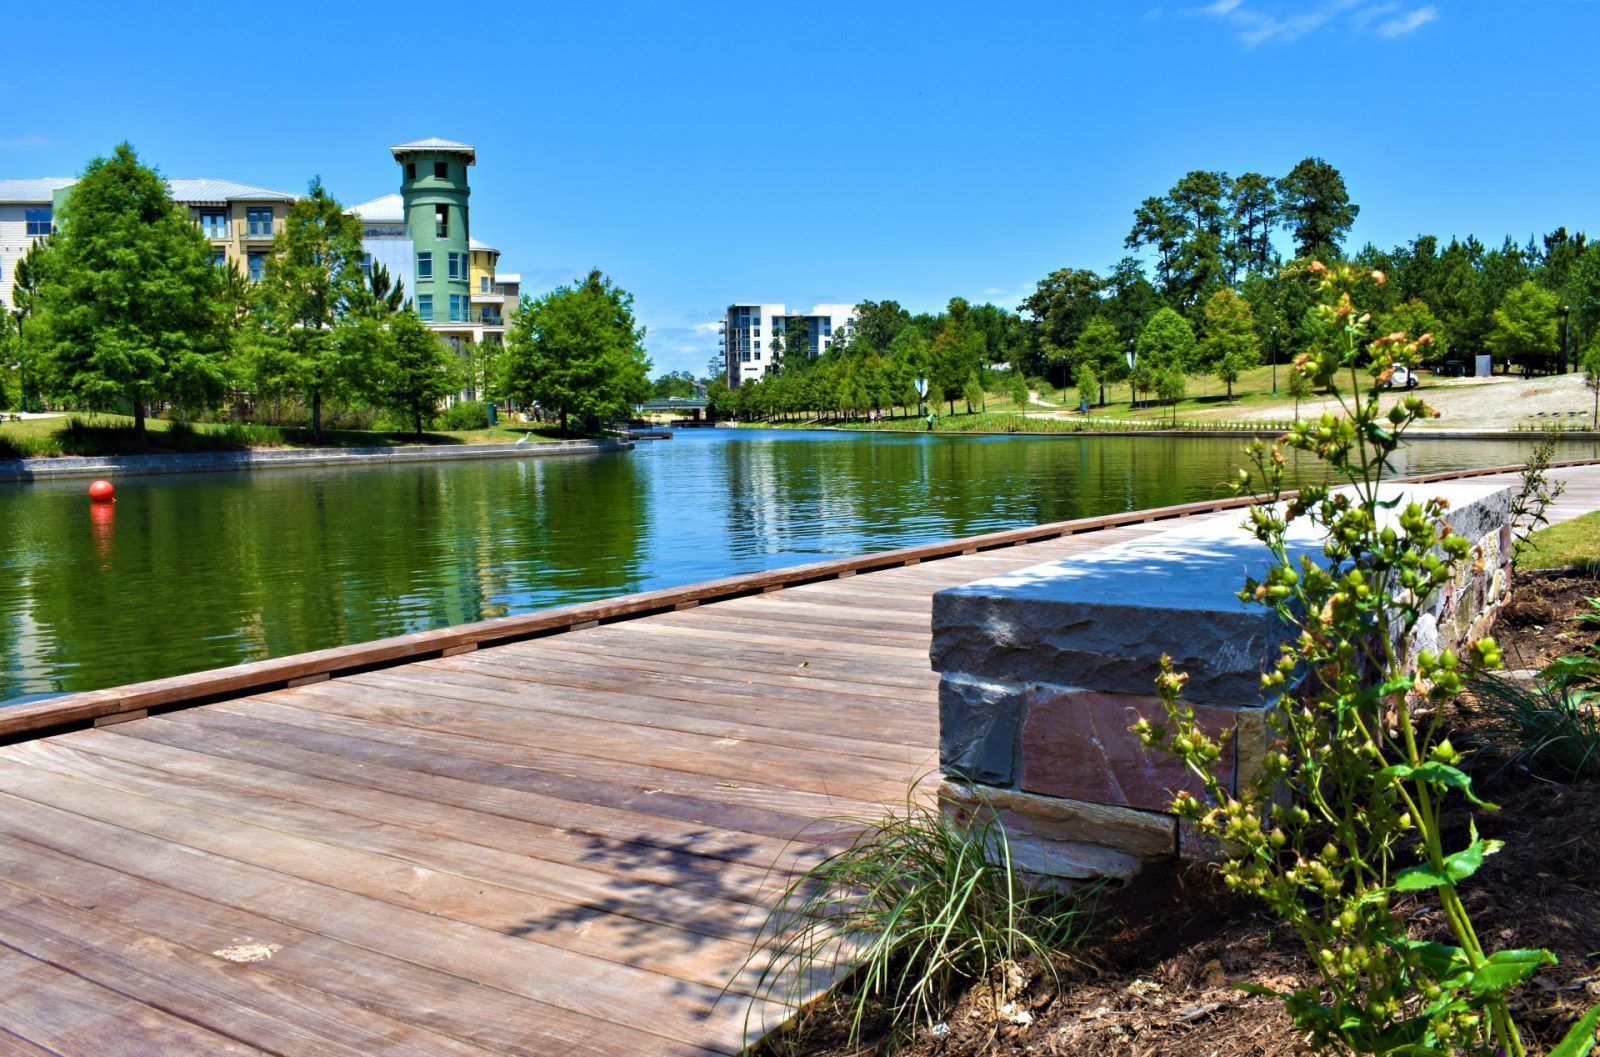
(191, 572)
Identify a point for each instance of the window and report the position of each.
(38, 221)
(213, 224)
(219, 258)
(441, 221)
(758, 343)
(458, 311)
(456, 268)
(257, 261)
(424, 266)
(411, 170)
(441, 170)
(366, 264)
(425, 307)
(483, 284)
(259, 221)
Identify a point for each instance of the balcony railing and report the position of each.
(250, 232)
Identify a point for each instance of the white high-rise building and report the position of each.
(748, 331)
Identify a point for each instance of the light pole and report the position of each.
(1274, 352)
(1566, 314)
(22, 365)
(1133, 360)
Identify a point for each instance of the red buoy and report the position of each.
(102, 492)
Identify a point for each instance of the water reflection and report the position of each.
(188, 573)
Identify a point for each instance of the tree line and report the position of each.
(125, 308)
(1203, 290)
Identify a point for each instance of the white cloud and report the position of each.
(708, 328)
(1257, 22)
(31, 141)
(1408, 23)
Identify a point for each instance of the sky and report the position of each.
(707, 153)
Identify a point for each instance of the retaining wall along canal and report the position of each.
(69, 467)
(1044, 670)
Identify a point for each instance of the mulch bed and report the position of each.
(1156, 979)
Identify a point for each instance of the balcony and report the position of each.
(255, 232)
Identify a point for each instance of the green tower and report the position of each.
(433, 186)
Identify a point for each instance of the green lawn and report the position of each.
(114, 435)
(1574, 543)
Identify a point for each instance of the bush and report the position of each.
(464, 415)
(1547, 726)
(919, 901)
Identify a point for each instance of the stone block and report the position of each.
(978, 726)
(1076, 744)
(1052, 837)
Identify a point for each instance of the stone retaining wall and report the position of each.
(286, 458)
(1044, 670)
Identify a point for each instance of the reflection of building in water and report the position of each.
(748, 331)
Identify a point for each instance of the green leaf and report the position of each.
(1444, 963)
(1257, 989)
(1458, 867)
(1507, 969)
(1435, 773)
(1420, 878)
(1580, 1040)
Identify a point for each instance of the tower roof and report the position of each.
(435, 145)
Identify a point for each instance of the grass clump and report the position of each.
(1548, 726)
(921, 904)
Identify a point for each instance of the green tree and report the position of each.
(386, 295)
(419, 370)
(1100, 349)
(1230, 346)
(25, 280)
(1063, 302)
(1415, 318)
(879, 322)
(1172, 385)
(1525, 329)
(1253, 213)
(1591, 378)
(1165, 344)
(957, 354)
(1019, 390)
(1316, 207)
(1088, 383)
(578, 351)
(972, 393)
(128, 303)
(317, 334)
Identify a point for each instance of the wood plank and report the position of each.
(505, 956)
(65, 1014)
(229, 998)
(569, 933)
(499, 1020)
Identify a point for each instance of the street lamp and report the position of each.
(1274, 351)
(1566, 312)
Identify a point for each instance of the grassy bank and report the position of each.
(101, 435)
(1569, 544)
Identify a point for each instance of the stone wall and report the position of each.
(1044, 670)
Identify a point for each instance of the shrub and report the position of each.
(1548, 726)
(920, 901)
(464, 415)
(1361, 773)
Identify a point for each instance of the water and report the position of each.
(186, 573)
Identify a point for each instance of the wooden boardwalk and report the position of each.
(558, 845)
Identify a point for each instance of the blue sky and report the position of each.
(704, 153)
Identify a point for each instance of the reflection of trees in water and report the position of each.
(187, 573)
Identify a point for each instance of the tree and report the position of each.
(1253, 213)
(318, 336)
(25, 280)
(1019, 390)
(879, 322)
(1591, 379)
(386, 296)
(1172, 385)
(419, 370)
(1415, 318)
(128, 303)
(1100, 349)
(1063, 302)
(1525, 330)
(1157, 224)
(1230, 346)
(957, 354)
(1316, 207)
(578, 351)
(676, 383)
(1087, 383)
(1165, 344)
(972, 393)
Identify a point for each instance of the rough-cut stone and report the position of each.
(978, 725)
(1076, 744)
(1148, 835)
(1251, 740)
